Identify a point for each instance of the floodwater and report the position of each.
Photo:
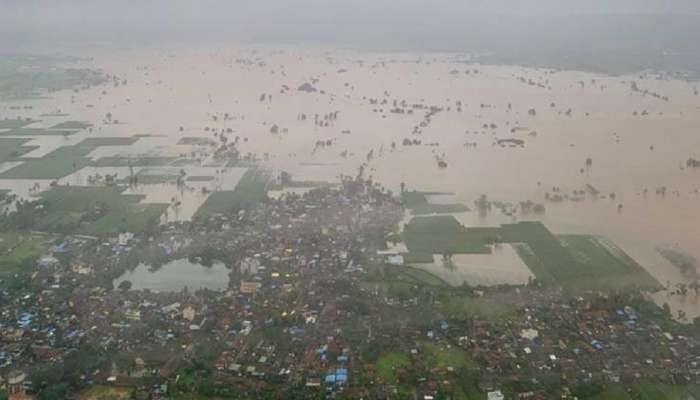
(176, 275)
(502, 266)
(635, 139)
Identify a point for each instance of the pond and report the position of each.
(176, 275)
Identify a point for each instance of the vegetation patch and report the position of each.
(389, 364)
(251, 190)
(73, 125)
(36, 132)
(421, 277)
(146, 179)
(101, 392)
(196, 141)
(195, 178)
(461, 306)
(62, 161)
(573, 261)
(444, 234)
(417, 258)
(134, 161)
(603, 265)
(15, 123)
(16, 250)
(548, 260)
(418, 203)
(452, 357)
(108, 141)
(99, 211)
(57, 164)
(12, 148)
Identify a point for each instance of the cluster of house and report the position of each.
(295, 296)
(277, 254)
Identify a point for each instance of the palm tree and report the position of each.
(447, 261)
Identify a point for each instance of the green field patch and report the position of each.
(418, 203)
(101, 392)
(463, 306)
(16, 250)
(420, 276)
(389, 364)
(62, 161)
(603, 265)
(12, 148)
(108, 141)
(573, 261)
(57, 164)
(36, 132)
(612, 392)
(417, 258)
(548, 260)
(15, 123)
(454, 357)
(155, 176)
(73, 125)
(185, 162)
(99, 211)
(147, 179)
(307, 184)
(134, 161)
(250, 190)
(196, 141)
(651, 390)
(444, 234)
(200, 178)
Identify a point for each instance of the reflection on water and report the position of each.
(176, 275)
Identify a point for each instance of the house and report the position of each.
(495, 395)
(250, 266)
(81, 269)
(125, 238)
(313, 382)
(249, 287)
(189, 313)
(17, 385)
(133, 315)
(395, 259)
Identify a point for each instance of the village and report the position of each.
(229, 221)
(315, 309)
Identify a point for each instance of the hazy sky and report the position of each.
(160, 13)
(430, 24)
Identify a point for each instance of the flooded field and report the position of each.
(177, 275)
(502, 266)
(610, 153)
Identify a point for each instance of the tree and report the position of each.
(54, 392)
(125, 286)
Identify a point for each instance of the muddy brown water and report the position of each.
(186, 86)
